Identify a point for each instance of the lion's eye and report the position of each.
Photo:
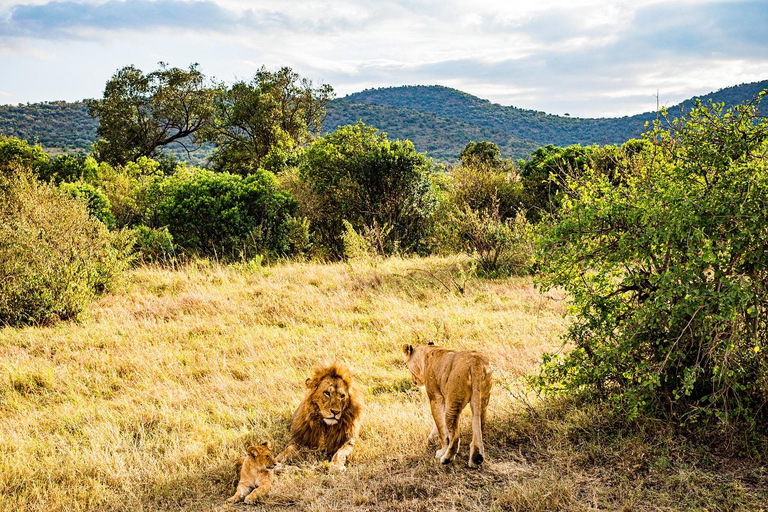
(327, 394)
(343, 397)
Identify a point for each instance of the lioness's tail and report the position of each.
(482, 379)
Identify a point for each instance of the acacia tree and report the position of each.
(140, 113)
(259, 123)
(667, 270)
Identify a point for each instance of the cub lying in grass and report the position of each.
(256, 472)
(451, 380)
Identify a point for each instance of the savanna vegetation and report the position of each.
(159, 316)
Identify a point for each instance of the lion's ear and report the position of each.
(308, 383)
(431, 343)
(407, 350)
(265, 443)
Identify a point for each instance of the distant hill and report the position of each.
(58, 126)
(439, 120)
(515, 130)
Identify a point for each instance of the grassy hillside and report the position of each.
(439, 120)
(147, 402)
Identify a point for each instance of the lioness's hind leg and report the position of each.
(452, 438)
(437, 405)
(479, 404)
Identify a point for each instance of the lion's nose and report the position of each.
(335, 412)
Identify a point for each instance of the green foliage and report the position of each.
(666, 267)
(258, 124)
(54, 257)
(94, 199)
(132, 190)
(297, 234)
(480, 186)
(356, 174)
(69, 168)
(225, 215)
(16, 153)
(500, 246)
(484, 153)
(438, 120)
(141, 113)
(153, 245)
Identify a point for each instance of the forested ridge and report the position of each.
(437, 119)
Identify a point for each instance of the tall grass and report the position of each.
(146, 403)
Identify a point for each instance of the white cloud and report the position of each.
(586, 57)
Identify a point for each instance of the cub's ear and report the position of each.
(266, 443)
(408, 350)
(431, 343)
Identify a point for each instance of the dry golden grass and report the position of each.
(147, 402)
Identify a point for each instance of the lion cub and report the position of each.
(256, 471)
(451, 380)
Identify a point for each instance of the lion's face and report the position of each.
(260, 456)
(331, 396)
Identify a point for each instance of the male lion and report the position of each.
(328, 417)
(452, 379)
(255, 470)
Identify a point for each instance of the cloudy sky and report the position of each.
(584, 57)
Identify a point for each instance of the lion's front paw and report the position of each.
(251, 499)
(439, 453)
(234, 499)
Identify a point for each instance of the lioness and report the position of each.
(452, 379)
(328, 417)
(255, 470)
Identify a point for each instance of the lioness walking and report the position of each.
(452, 379)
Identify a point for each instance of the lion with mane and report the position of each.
(328, 417)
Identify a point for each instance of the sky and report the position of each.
(587, 58)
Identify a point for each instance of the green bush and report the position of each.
(484, 188)
(501, 247)
(133, 190)
(70, 168)
(153, 245)
(356, 174)
(94, 199)
(54, 256)
(16, 153)
(667, 271)
(545, 175)
(225, 215)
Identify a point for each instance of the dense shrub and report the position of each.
(132, 190)
(70, 168)
(225, 215)
(667, 270)
(94, 199)
(153, 245)
(356, 174)
(545, 174)
(481, 187)
(501, 247)
(54, 256)
(16, 154)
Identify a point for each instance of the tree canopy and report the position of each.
(256, 122)
(140, 113)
